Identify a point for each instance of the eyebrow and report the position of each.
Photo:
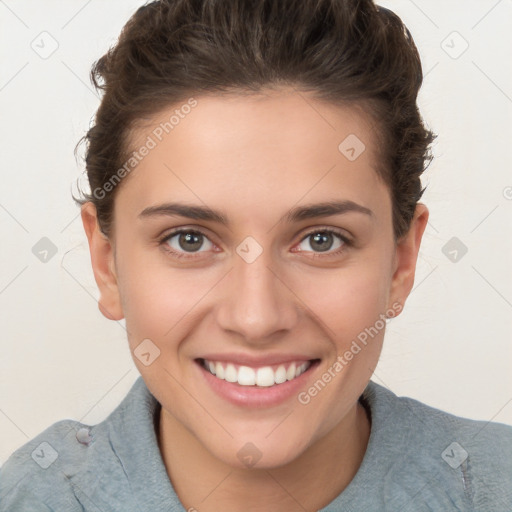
(296, 214)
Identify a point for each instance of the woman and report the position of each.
(254, 216)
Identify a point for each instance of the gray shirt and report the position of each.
(418, 459)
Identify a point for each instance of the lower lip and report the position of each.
(254, 396)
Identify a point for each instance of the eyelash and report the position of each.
(346, 242)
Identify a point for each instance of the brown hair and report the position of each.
(342, 51)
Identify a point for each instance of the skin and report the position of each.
(255, 158)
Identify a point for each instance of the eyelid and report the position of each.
(337, 231)
(346, 239)
(203, 231)
(186, 229)
(162, 240)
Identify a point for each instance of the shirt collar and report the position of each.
(135, 442)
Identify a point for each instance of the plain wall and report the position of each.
(60, 358)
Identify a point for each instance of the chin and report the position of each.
(258, 453)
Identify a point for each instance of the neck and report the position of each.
(309, 482)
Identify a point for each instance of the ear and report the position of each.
(406, 256)
(103, 264)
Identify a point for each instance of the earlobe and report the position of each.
(406, 256)
(103, 264)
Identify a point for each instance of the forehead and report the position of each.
(279, 146)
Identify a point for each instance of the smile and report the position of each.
(265, 376)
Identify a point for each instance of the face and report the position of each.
(248, 245)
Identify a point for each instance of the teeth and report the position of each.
(300, 369)
(231, 375)
(290, 374)
(263, 377)
(219, 371)
(280, 375)
(246, 376)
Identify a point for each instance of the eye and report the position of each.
(183, 241)
(324, 240)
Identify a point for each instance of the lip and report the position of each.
(254, 396)
(256, 362)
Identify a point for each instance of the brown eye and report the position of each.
(192, 241)
(186, 241)
(321, 241)
(324, 241)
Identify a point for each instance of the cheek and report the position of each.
(346, 300)
(150, 301)
(159, 301)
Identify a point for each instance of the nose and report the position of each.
(257, 303)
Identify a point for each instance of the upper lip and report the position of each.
(256, 361)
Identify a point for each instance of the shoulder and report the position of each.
(72, 466)
(488, 443)
(468, 459)
(38, 473)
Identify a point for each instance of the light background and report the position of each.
(60, 358)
